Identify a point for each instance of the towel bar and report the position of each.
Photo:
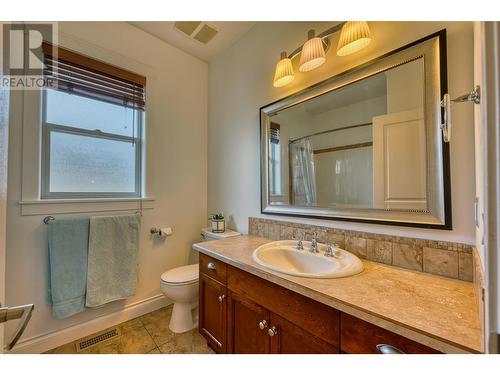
(47, 219)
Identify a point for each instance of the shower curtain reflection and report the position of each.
(303, 174)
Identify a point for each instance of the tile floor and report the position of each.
(147, 334)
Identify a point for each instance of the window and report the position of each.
(91, 130)
(275, 160)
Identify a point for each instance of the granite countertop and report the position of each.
(435, 311)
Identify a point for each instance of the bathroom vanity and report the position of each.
(246, 308)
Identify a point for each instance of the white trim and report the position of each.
(69, 206)
(4, 155)
(32, 139)
(31, 144)
(48, 129)
(490, 86)
(44, 342)
(87, 200)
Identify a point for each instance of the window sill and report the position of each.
(66, 206)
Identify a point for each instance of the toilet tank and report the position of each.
(208, 235)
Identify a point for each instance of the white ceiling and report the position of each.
(229, 32)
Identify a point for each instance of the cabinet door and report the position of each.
(212, 319)
(287, 338)
(360, 337)
(248, 325)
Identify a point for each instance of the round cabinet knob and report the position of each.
(263, 325)
(272, 331)
(221, 297)
(211, 266)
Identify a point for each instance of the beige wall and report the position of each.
(176, 177)
(240, 82)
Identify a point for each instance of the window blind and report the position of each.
(275, 133)
(81, 75)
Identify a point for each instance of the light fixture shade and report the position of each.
(283, 74)
(355, 35)
(312, 55)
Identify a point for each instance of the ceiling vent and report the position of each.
(196, 30)
(187, 27)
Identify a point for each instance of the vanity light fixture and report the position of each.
(313, 53)
(284, 71)
(354, 36)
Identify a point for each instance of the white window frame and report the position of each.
(28, 116)
(48, 128)
(275, 161)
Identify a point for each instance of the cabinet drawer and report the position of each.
(213, 268)
(360, 337)
(312, 316)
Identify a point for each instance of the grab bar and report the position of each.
(22, 312)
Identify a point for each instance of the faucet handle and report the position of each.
(332, 250)
(314, 243)
(300, 245)
(329, 251)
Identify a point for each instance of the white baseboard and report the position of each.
(42, 343)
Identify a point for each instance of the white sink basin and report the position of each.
(283, 256)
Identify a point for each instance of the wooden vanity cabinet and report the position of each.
(212, 304)
(312, 316)
(247, 326)
(245, 314)
(360, 337)
(252, 329)
(291, 339)
(213, 268)
(263, 317)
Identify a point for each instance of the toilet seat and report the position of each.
(184, 275)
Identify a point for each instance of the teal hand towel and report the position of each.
(113, 258)
(68, 247)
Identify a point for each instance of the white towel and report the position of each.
(112, 258)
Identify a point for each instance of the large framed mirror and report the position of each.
(365, 145)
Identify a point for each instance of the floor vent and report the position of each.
(97, 339)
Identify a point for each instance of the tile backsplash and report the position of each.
(449, 259)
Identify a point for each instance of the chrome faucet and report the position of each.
(314, 243)
(329, 251)
(332, 250)
(300, 245)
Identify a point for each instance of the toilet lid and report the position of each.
(182, 274)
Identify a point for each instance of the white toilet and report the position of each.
(181, 286)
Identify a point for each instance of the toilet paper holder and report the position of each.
(160, 232)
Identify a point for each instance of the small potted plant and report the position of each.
(218, 222)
